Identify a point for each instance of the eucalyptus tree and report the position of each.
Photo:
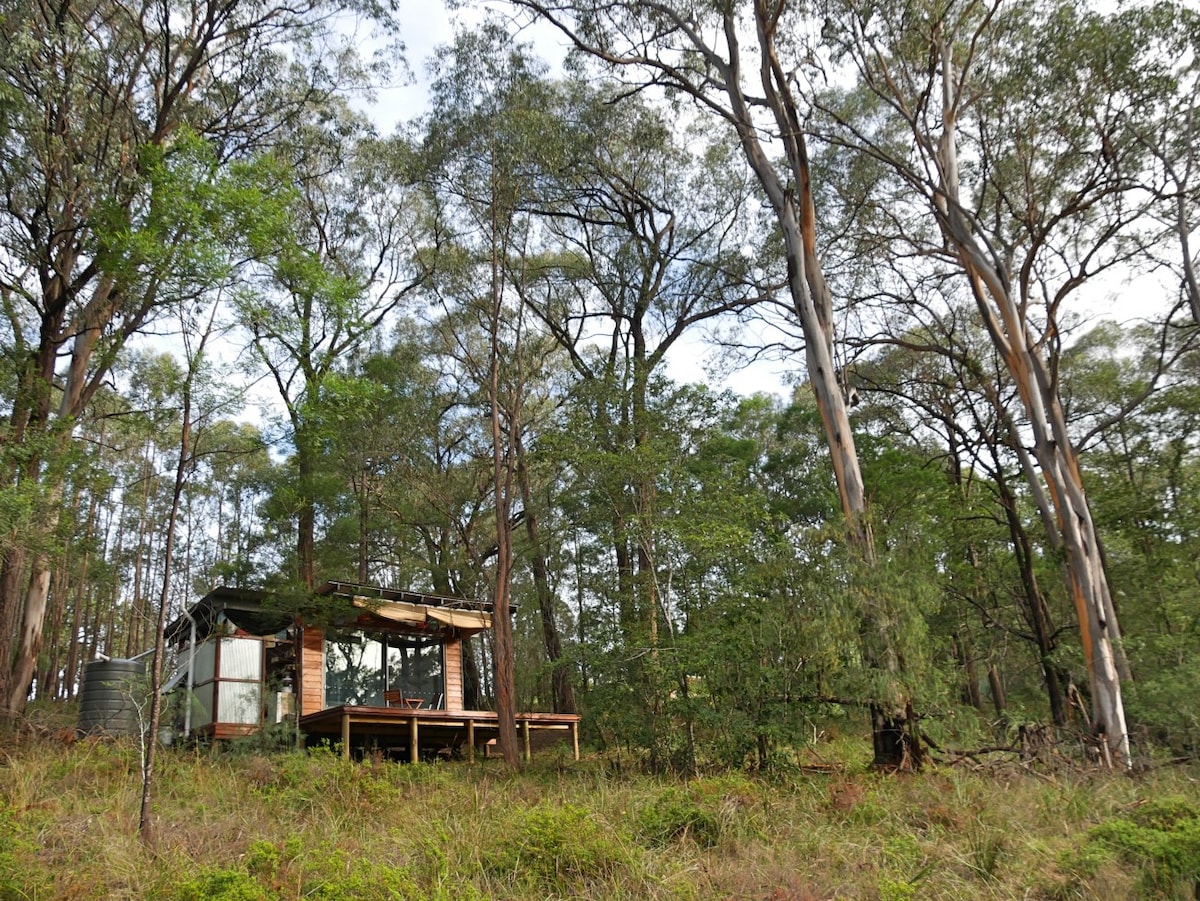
(106, 212)
(661, 231)
(539, 496)
(702, 53)
(334, 269)
(1014, 132)
(482, 151)
(750, 66)
(652, 238)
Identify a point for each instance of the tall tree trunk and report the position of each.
(137, 610)
(654, 683)
(1053, 449)
(30, 638)
(894, 734)
(1036, 611)
(12, 575)
(966, 659)
(364, 531)
(306, 517)
(999, 698)
(33, 609)
(79, 604)
(560, 671)
(503, 650)
(48, 679)
(150, 742)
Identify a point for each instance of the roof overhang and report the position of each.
(467, 622)
(260, 612)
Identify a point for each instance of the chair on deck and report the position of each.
(394, 697)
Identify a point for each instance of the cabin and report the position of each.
(367, 667)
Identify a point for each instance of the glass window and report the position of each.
(415, 668)
(361, 666)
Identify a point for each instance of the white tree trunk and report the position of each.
(1073, 529)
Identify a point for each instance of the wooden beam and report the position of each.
(470, 740)
(528, 752)
(575, 739)
(412, 738)
(346, 735)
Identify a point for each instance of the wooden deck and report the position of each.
(400, 727)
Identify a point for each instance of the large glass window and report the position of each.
(361, 666)
(414, 666)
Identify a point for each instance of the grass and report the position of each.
(247, 826)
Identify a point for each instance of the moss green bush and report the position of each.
(545, 847)
(675, 816)
(364, 880)
(17, 880)
(1161, 838)
(220, 884)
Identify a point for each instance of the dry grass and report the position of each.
(287, 826)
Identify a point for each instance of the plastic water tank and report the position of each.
(109, 698)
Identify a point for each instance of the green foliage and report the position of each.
(547, 847)
(328, 873)
(219, 884)
(263, 858)
(1144, 478)
(676, 816)
(896, 890)
(343, 877)
(16, 882)
(1161, 839)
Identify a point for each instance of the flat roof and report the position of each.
(261, 611)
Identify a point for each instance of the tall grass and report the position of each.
(292, 825)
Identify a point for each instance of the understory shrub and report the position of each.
(548, 847)
(1160, 838)
(220, 884)
(14, 877)
(675, 816)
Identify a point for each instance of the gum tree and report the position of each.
(96, 101)
(480, 152)
(340, 260)
(1012, 134)
(745, 65)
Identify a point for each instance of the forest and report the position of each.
(254, 337)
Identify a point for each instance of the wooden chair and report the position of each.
(395, 698)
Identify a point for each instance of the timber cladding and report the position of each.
(312, 670)
(454, 673)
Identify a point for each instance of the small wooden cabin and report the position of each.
(366, 666)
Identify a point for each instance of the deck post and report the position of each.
(346, 735)
(412, 738)
(528, 752)
(575, 738)
(470, 740)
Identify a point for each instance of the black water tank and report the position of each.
(109, 698)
